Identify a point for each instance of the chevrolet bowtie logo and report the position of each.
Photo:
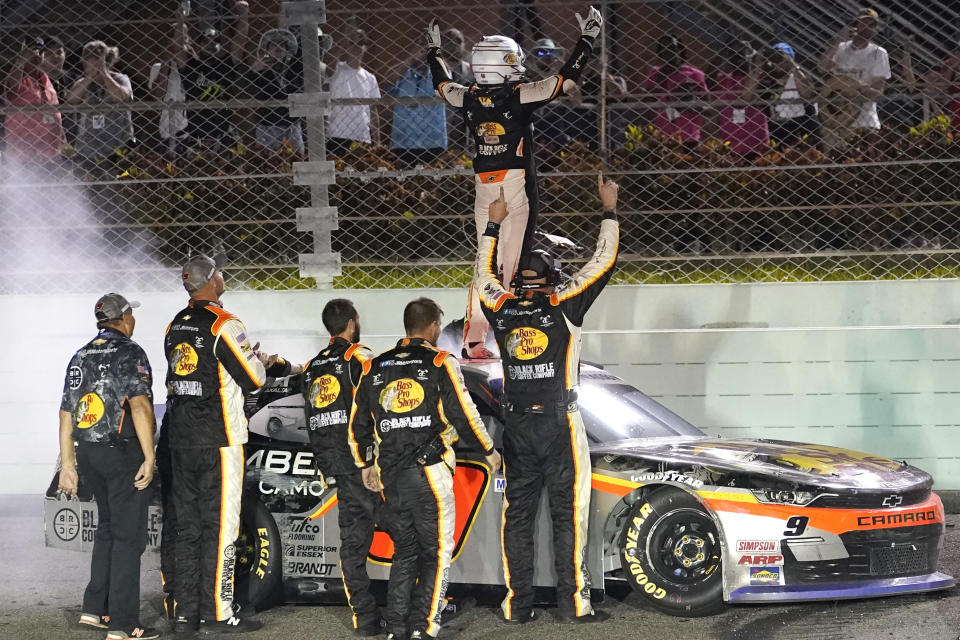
(892, 501)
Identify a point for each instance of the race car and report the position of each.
(690, 522)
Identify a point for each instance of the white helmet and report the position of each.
(497, 59)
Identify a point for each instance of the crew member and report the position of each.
(211, 366)
(413, 401)
(544, 442)
(107, 407)
(498, 108)
(329, 381)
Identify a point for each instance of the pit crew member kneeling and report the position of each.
(544, 442)
(412, 399)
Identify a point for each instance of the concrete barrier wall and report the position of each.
(871, 366)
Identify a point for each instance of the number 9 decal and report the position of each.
(796, 525)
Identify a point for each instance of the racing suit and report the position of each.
(499, 117)
(412, 401)
(544, 441)
(211, 366)
(101, 378)
(329, 382)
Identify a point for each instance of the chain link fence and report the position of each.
(748, 145)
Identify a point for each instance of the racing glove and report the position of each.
(589, 27)
(433, 34)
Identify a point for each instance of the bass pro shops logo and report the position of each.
(324, 391)
(183, 359)
(490, 132)
(526, 343)
(89, 411)
(401, 396)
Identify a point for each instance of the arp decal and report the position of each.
(772, 560)
(469, 488)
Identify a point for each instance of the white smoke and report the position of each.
(60, 235)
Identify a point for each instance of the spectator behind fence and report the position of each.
(275, 74)
(863, 65)
(166, 84)
(676, 81)
(31, 137)
(940, 84)
(455, 54)
(784, 80)
(419, 132)
(742, 125)
(212, 75)
(353, 123)
(54, 59)
(101, 133)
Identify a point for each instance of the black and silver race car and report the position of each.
(689, 521)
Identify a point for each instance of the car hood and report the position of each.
(806, 464)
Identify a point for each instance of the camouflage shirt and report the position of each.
(101, 378)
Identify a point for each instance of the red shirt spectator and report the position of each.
(685, 83)
(32, 136)
(745, 127)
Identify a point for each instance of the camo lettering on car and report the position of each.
(630, 550)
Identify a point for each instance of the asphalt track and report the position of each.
(41, 589)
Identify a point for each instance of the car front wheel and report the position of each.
(670, 553)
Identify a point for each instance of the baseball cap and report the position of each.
(200, 269)
(546, 47)
(867, 12)
(112, 306)
(787, 49)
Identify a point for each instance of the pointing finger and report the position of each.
(502, 197)
(600, 180)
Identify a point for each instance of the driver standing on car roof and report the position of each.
(544, 440)
(211, 366)
(329, 383)
(107, 407)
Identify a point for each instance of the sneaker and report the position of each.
(479, 352)
(184, 626)
(369, 629)
(233, 624)
(417, 635)
(138, 633)
(523, 620)
(593, 616)
(95, 621)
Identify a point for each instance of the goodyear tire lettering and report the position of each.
(630, 555)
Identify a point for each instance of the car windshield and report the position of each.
(613, 412)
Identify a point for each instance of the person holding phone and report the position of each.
(31, 137)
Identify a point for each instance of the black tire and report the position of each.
(671, 556)
(259, 559)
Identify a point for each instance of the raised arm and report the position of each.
(542, 92)
(451, 92)
(492, 292)
(576, 296)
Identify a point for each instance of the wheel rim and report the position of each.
(683, 547)
(246, 552)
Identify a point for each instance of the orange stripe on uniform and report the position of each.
(442, 537)
(577, 544)
(221, 544)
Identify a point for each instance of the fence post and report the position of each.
(317, 173)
